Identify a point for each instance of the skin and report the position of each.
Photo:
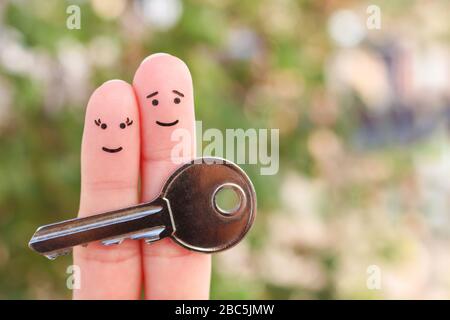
(109, 181)
(170, 271)
(111, 159)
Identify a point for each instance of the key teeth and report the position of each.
(111, 242)
(149, 235)
(151, 240)
(54, 255)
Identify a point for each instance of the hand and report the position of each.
(128, 128)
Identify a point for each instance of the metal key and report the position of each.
(186, 211)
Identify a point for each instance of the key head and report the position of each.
(199, 223)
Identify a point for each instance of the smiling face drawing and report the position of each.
(155, 102)
(104, 126)
(111, 132)
(163, 86)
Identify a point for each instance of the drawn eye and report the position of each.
(123, 125)
(177, 100)
(99, 123)
(154, 101)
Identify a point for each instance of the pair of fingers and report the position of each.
(127, 136)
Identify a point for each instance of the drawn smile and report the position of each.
(167, 124)
(112, 150)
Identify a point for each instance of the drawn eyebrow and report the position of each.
(178, 93)
(152, 94)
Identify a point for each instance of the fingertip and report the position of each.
(109, 180)
(116, 91)
(164, 91)
(118, 83)
(114, 100)
(162, 56)
(110, 148)
(154, 56)
(161, 62)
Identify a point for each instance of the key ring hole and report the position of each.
(228, 199)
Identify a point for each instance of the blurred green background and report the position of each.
(364, 126)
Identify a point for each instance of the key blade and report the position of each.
(111, 227)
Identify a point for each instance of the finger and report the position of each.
(163, 86)
(109, 180)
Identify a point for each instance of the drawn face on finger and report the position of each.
(163, 86)
(155, 102)
(104, 126)
(111, 131)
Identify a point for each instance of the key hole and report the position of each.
(228, 199)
